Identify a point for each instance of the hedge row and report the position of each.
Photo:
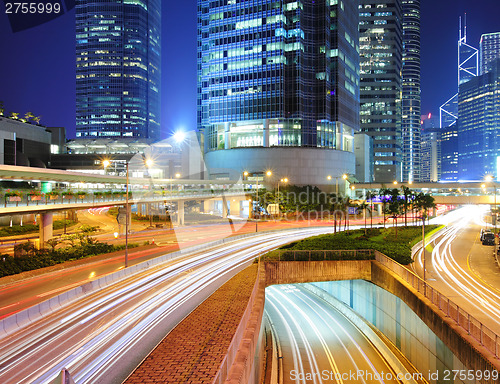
(10, 265)
(397, 247)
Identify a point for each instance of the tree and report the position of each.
(37, 119)
(394, 207)
(383, 192)
(408, 198)
(14, 115)
(364, 207)
(423, 202)
(2, 109)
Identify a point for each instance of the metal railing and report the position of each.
(485, 336)
(48, 199)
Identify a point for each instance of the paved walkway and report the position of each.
(194, 350)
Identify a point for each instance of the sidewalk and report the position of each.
(194, 350)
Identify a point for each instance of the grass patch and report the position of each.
(395, 245)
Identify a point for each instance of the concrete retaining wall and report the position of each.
(464, 346)
(291, 272)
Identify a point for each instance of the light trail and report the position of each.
(94, 336)
(450, 266)
(323, 340)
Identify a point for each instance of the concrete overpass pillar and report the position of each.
(180, 212)
(225, 210)
(45, 221)
(379, 209)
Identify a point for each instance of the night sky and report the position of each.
(37, 66)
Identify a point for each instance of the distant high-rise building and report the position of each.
(118, 69)
(479, 126)
(381, 49)
(468, 67)
(449, 153)
(430, 149)
(278, 87)
(410, 106)
(489, 50)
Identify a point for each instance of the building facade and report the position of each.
(489, 50)
(449, 153)
(430, 149)
(279, 78)
(118, 69)
(410, 105)
(381, 54)
(29, 145)
(479, 126)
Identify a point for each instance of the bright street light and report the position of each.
(106, 163)
(179, 136)
(269, 173)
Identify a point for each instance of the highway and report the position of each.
(102, 337)
(463, 269)
(320, 345)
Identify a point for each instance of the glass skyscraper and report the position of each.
(479, 126)
(118, 69)
(381, 54)
(489, 50)
(410, 106)
(277, 74)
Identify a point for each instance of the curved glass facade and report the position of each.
(118, 68)
(278, 73)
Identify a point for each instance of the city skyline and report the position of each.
(39, 77)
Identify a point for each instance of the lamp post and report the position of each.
(490, 179)
(126, 217)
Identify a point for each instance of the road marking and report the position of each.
(474, 273)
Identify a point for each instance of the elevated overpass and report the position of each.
(444, 193)
(53, 190)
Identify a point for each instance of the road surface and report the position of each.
(101, 338)
(320, 345)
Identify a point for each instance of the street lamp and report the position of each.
(490, 179)
(246, 174)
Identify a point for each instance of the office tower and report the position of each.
(468, 66)
(449, 153)
(118, 69)
(410, 105)
(430, 149)
(489, 50)
(479, 125)
(278, 86)
(381, 48)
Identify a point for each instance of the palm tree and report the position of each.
(364, 206)
(370, 196)
(14, 115)
(394, 207)
(2, 109)
(408, 197)
(37, 119)
(383, 192)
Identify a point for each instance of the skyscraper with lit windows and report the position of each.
(118, 69)
(410, 105)
(278, 86)
(489, 50)
(381, 60)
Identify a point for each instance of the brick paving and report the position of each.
(193, 351)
